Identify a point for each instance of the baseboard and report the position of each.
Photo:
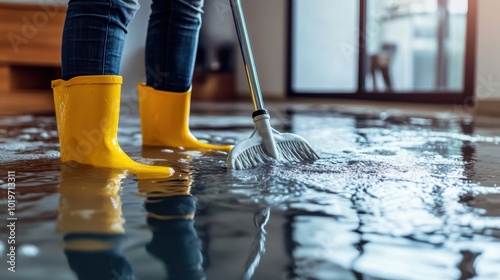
(490, 108)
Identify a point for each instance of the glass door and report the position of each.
(325, 32)
(406, 50)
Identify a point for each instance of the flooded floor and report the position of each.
(393, 197)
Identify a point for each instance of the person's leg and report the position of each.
(171, 44)
(87, 98)
(164, 100)
(94, 35)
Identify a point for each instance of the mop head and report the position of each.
(252, 152)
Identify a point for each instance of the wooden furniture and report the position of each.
(30, 57)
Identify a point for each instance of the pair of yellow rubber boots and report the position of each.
(87, 112)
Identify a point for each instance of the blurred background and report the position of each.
(410, 45)
(414, 51)
(367, 72)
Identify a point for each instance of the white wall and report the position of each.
(488, 51)
(266, 22)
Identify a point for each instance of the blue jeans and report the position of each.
(94, 36)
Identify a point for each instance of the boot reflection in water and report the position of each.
(90, 217)
(171, 209)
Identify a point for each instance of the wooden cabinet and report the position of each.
(30, 56)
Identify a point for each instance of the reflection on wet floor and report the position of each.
(393, 197)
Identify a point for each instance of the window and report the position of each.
(406, 50)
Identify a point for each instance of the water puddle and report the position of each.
(393, 197)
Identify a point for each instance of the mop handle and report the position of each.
(246, 50)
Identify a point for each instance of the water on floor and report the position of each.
(393, 197)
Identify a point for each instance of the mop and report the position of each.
(265, 144)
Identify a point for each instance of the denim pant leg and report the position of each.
(171, 43)
(93, 36)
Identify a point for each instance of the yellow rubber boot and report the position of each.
(165, 120)
(87, 112)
